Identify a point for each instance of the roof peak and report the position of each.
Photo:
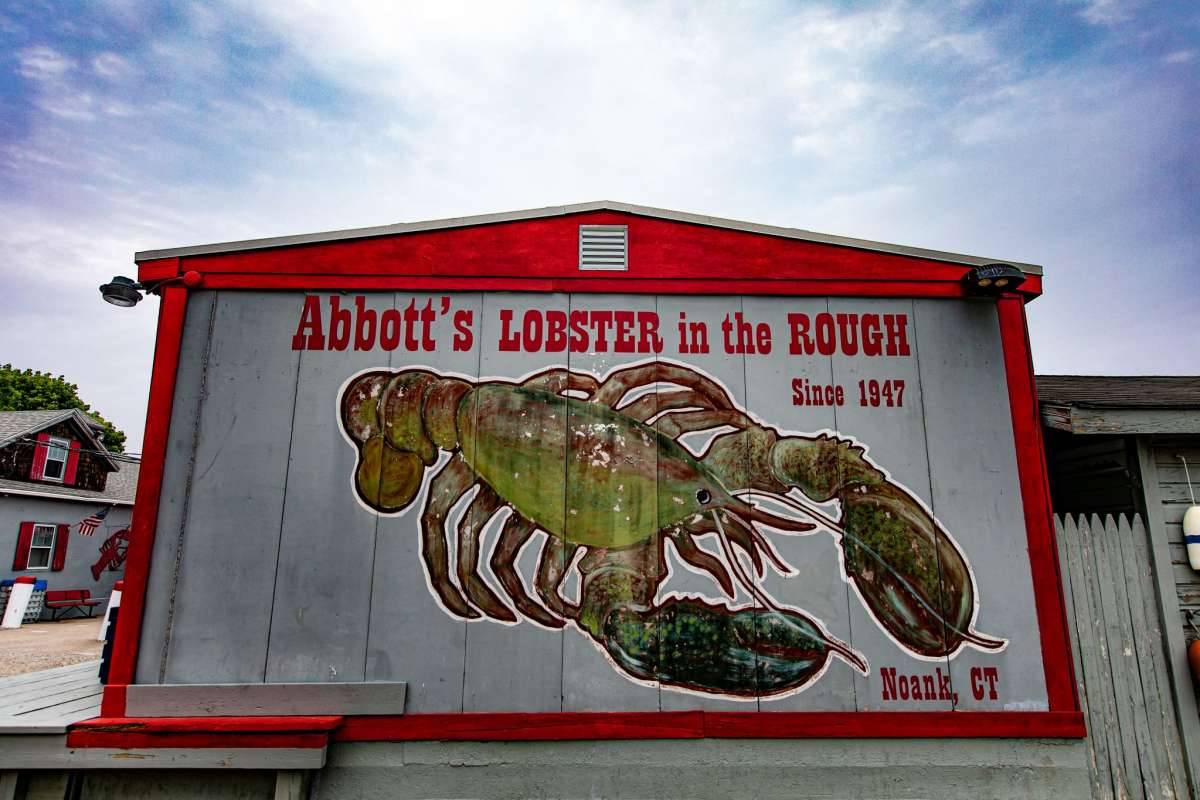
(576, 208)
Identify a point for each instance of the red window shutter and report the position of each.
(24, 539)
(39, 457)
(72, 464)
(60, 548)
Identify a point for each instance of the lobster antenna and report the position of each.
(970, 636)
(757, 593)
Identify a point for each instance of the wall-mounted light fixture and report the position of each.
(991, 280)
(126, 292)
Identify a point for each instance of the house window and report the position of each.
(41, 546)
(56, 459)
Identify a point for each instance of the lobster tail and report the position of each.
(398, 421)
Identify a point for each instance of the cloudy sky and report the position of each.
(1066, 134)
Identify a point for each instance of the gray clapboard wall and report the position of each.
(1168, 490)
(1122, 664)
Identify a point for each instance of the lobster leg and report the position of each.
(559, 380)
(702, 560)
(621, 381)
(470, 527)
(672, 425)
(444, 491)
(555, 559)
(515, 534)
(654, 403)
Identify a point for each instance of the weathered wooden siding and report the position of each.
(1122, 663)
(1170, 493)
(266, 569)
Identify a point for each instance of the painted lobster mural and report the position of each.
(598, 466)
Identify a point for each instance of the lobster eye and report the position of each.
(703, 497)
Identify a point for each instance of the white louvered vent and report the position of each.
(604, 247)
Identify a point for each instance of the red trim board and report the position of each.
(357, 266)
(145, 516)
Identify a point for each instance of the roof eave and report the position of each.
(577, 208)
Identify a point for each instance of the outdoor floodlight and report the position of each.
(126, 292)
(122, 291)
(992, 280)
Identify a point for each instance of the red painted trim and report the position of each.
(145, 517)
(112, 703)
(607, 284)
(548, 248)
(159, 269)
(1035, 495)
(525, 727)
(714, 725)
(131, 741)
(279, 724)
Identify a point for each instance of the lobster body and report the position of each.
(598, 466)
(622, 482)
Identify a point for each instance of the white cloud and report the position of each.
(42, 63)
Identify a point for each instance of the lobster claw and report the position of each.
(387, 479)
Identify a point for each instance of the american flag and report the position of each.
(89, 525)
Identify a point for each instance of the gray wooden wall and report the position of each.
(1122, 659)
(266, 567)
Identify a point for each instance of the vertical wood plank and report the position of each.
(1126, 681)
(1187, 714)
(1100, 686)
(176, 484)
(1146, 634)
(319, 619)
(818, 587)
(223, 598)
(411, 637)
(590, 681)
(1066, 535)
(729, 370)
(895, 440)
(515, 667)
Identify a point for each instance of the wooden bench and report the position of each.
(66, 599)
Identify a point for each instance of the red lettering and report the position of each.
(579, 334)
(531, 332)
(309, 333)
(826, 338)
(848, 333)
(801, 344)
(977, 683)
(428, 315)
(556, 331)
(872, 336)
(389, 329)
(463, 338)
(411, 318)
(889, 682)
(601, 320)
(992, 676)
(648, 340)
(339, 324)
(509, 341)
(365, 320)
(897, 334)
(624, 320)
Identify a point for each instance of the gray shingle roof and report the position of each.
(1132, 391)
(17, 424)
(119, 489)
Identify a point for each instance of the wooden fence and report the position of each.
(1120, 658)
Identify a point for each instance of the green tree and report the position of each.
(27, 390)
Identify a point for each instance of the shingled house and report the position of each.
(54, 473)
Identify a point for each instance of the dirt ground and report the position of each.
(42, 645)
